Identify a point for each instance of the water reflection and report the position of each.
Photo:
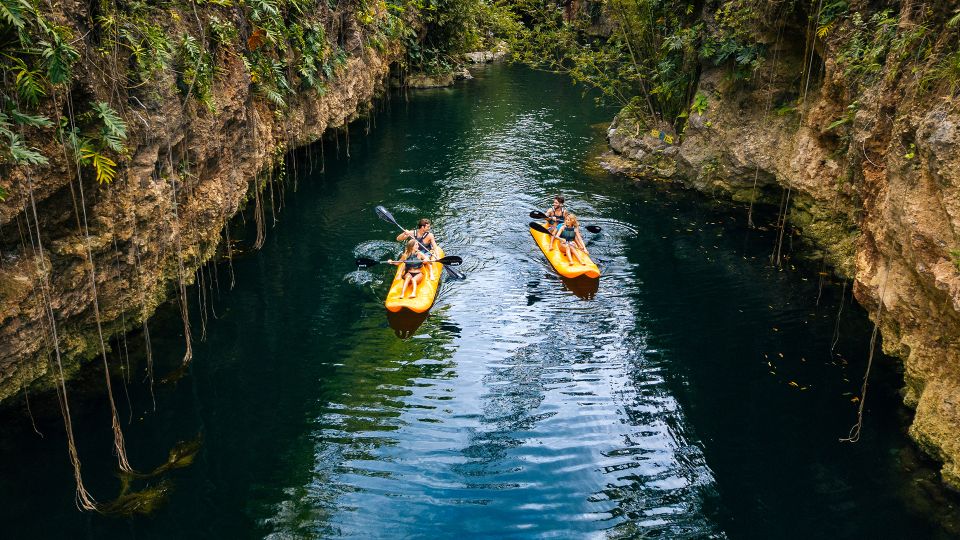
(585, 288)
(405, 323)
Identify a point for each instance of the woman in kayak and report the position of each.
(569, 234)
(412, 260)
(423, 239)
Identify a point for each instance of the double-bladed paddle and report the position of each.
(385, 215)
(451, 260)
(536, 214)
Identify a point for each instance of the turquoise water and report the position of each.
(692, 393)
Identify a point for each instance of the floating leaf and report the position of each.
(792, 383)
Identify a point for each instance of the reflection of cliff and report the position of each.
(872, 183)
(188, 171)
(379, 388)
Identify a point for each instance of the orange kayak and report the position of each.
(426, 290)
(558, 258)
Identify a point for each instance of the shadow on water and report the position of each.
(406, 323)
(584, 288)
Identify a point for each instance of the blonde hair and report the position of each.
(409, 248)
(572, 220)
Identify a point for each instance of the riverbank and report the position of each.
(874, 199)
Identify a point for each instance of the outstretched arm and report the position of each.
(581, 243)
(404, 235)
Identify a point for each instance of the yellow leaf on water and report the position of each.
(854, 399)
(791, 383)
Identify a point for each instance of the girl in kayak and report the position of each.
(423, 239)
(557, 214)
(413, 260)
(569, 234)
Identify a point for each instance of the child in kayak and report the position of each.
(557, 214)
(412, 260)
(424, 240)
(569, 234)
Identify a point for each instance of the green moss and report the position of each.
(832, 234)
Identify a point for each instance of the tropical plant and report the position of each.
(104, 133)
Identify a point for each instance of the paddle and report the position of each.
(385, 215)
(451, 260)
(540, 228)
(536, 214)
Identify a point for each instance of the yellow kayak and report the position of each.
(558, 258)
(426, 290)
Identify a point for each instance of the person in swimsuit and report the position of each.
(424, 239)
(569, 234)
(556, 215)
(412, 260)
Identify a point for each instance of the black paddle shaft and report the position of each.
(536, 214)
(450, 260)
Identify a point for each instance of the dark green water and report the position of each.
(660, 405)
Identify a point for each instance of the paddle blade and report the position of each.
(363, 262)
(538, 227)
(451, 260)
(385, 215)
(454, 273)
(536, 214)
(593, 228)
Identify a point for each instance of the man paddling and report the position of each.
(555, 218)
(425, 240)
(556, 214)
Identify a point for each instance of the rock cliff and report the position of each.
(188, 168)
(868, 172)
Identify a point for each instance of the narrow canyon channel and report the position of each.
(697, 392)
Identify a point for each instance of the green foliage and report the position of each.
(3, 194)
(224, 34)
(830, 12)
(134, 28)
(955, 256)
(196, 70)
(13, 11)
(652, 52)
(59, 55)
(700, 103)
(451, 28)
(29, 83)
(864, 53)
(15, 150)
(114, 129)
(101, 132)
(733, 42)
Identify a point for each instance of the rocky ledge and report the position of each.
(879, 201)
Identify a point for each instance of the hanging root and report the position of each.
(83, 498)
(118, 442)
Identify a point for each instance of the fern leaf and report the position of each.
(23, 155)
(114, 130)
(30, 120)
(29, 85)
(59, 56)
(105, 167)
(12, 12)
